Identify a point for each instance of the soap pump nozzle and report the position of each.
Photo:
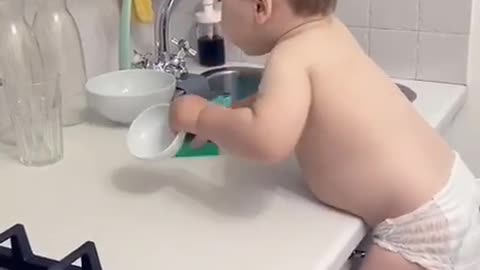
(209, 16)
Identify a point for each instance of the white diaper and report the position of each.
(444, 233)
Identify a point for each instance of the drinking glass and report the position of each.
(35, 110)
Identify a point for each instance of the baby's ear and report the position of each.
(263, 10)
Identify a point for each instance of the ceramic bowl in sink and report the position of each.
(121, 96)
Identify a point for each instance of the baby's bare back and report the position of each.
(364, 148)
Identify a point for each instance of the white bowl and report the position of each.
(150, 137)
(122, 95)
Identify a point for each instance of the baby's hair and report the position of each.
(313, 7)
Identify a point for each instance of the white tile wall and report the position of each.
(442, 56)
(393, 14)
(445, 16)
(395, 51)
(413, 39)
(355, 12)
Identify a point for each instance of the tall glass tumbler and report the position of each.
(35, 110)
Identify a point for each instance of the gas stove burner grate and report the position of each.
(21, 257)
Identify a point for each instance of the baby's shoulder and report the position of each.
(306, 52)
(283, 58)
(284, 70)
(283, 52)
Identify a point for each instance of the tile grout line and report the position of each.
(417, 47)
(409, 30)
(369, 22)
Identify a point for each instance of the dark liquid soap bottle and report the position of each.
(211, 44)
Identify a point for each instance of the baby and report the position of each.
(360, 143)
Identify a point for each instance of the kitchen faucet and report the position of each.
(163, 58)
(162, 29)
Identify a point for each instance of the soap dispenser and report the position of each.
(211, 44)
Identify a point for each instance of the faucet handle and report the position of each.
(184, 45)
(140, 60)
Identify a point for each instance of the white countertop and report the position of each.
(214, 213)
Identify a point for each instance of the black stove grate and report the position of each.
(21, 257)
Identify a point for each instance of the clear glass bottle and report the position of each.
(210, 41)
(60, 45)
(6, 129)
(20, 60)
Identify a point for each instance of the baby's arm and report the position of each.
(270, 128)
(245, 102)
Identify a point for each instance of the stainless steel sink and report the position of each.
(409, 93)
(241, 82)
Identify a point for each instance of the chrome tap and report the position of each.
(163, 59)
(162, 29)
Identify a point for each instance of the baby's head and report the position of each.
(256, 25)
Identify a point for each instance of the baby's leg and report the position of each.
(380, 259)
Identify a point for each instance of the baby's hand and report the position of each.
(184, 113)
(198, 142)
